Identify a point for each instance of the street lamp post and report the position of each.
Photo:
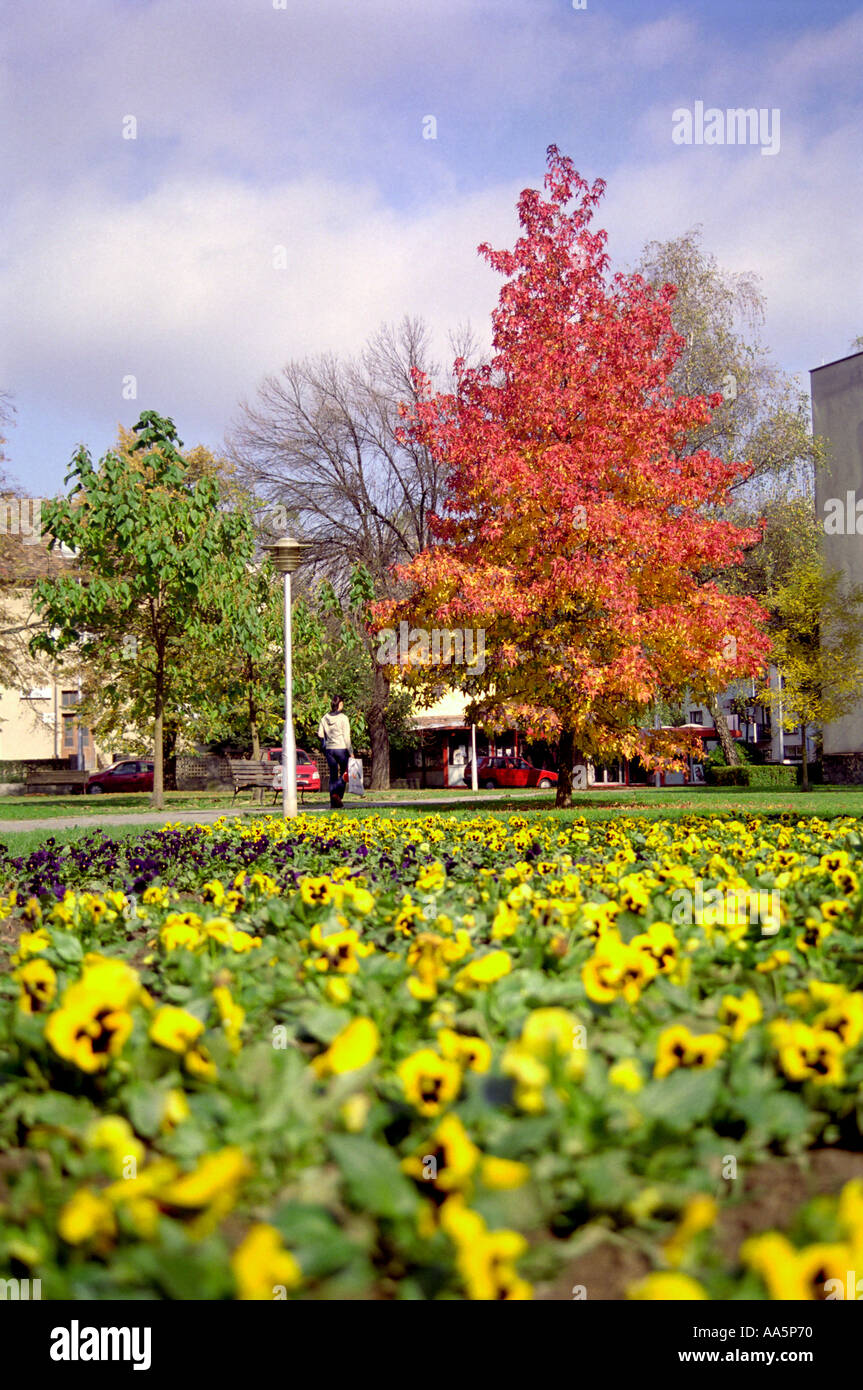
(286, 555)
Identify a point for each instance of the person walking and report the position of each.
(334, 733)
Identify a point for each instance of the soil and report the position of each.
(771, 1194)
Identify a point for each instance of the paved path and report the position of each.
(171, 817)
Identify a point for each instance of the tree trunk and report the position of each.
(254, 729)
(170, 733)
(732, 757)
(158, 801)
(804, 787)
(565, 757)
(378, 736)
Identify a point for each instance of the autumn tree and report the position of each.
(577, 521)
(149, 542)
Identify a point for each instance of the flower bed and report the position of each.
(425, 1057)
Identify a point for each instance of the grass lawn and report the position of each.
(41, 807)
(672, 802)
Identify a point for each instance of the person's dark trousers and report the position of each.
(337, 762)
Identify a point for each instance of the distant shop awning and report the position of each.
(448, 712)
(441, 722)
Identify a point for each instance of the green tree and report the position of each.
(239, 690)
(151, 541)
(817, 636)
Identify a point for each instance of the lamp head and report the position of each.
(287, 553)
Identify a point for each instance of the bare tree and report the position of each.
(23, 559)
(323, 444)
(7, 410)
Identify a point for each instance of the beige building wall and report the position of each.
(837, 416)
(38, 718)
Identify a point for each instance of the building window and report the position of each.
(696, 716)
(73, 728)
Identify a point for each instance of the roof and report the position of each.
(836, 361)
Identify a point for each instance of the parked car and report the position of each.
(511, 772)
(308, 776)
(128, 775)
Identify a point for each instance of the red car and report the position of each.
(130, 775)
(511, 772)
(308, 777)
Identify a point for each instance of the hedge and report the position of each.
(761, 776)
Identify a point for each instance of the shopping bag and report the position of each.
(355, 777)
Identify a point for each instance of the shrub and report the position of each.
(765, 776)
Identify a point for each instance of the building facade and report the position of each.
(39, 718)
(837, 417)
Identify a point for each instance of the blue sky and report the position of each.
(302, 127)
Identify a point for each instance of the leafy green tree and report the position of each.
(817, 631)
(239, 692)
(151, 541)
(762, 416)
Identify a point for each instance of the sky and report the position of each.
(197, 192)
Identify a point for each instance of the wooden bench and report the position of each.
(248, 774)
(43, 778)
(251, 775)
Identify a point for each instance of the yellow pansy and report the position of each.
(262, 1267)
(87, 1032)
(354, 1047)
(503, 1174)
(737, 1014)
(530, 1075)
(482, 971)
(448, 1161)
(32, 943)
(231, 1015)
(114, 1136)
(626, 1075)
(666, 1288)
(808, 1053)
(38, 983)
(87, 1216)
(430, 1082)
(677, 1047)
(470, 1052)
(699, 1215)
(175, 1029)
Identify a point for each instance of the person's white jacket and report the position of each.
(335, 731)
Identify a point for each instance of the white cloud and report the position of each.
(180, 289)
(301, 128)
